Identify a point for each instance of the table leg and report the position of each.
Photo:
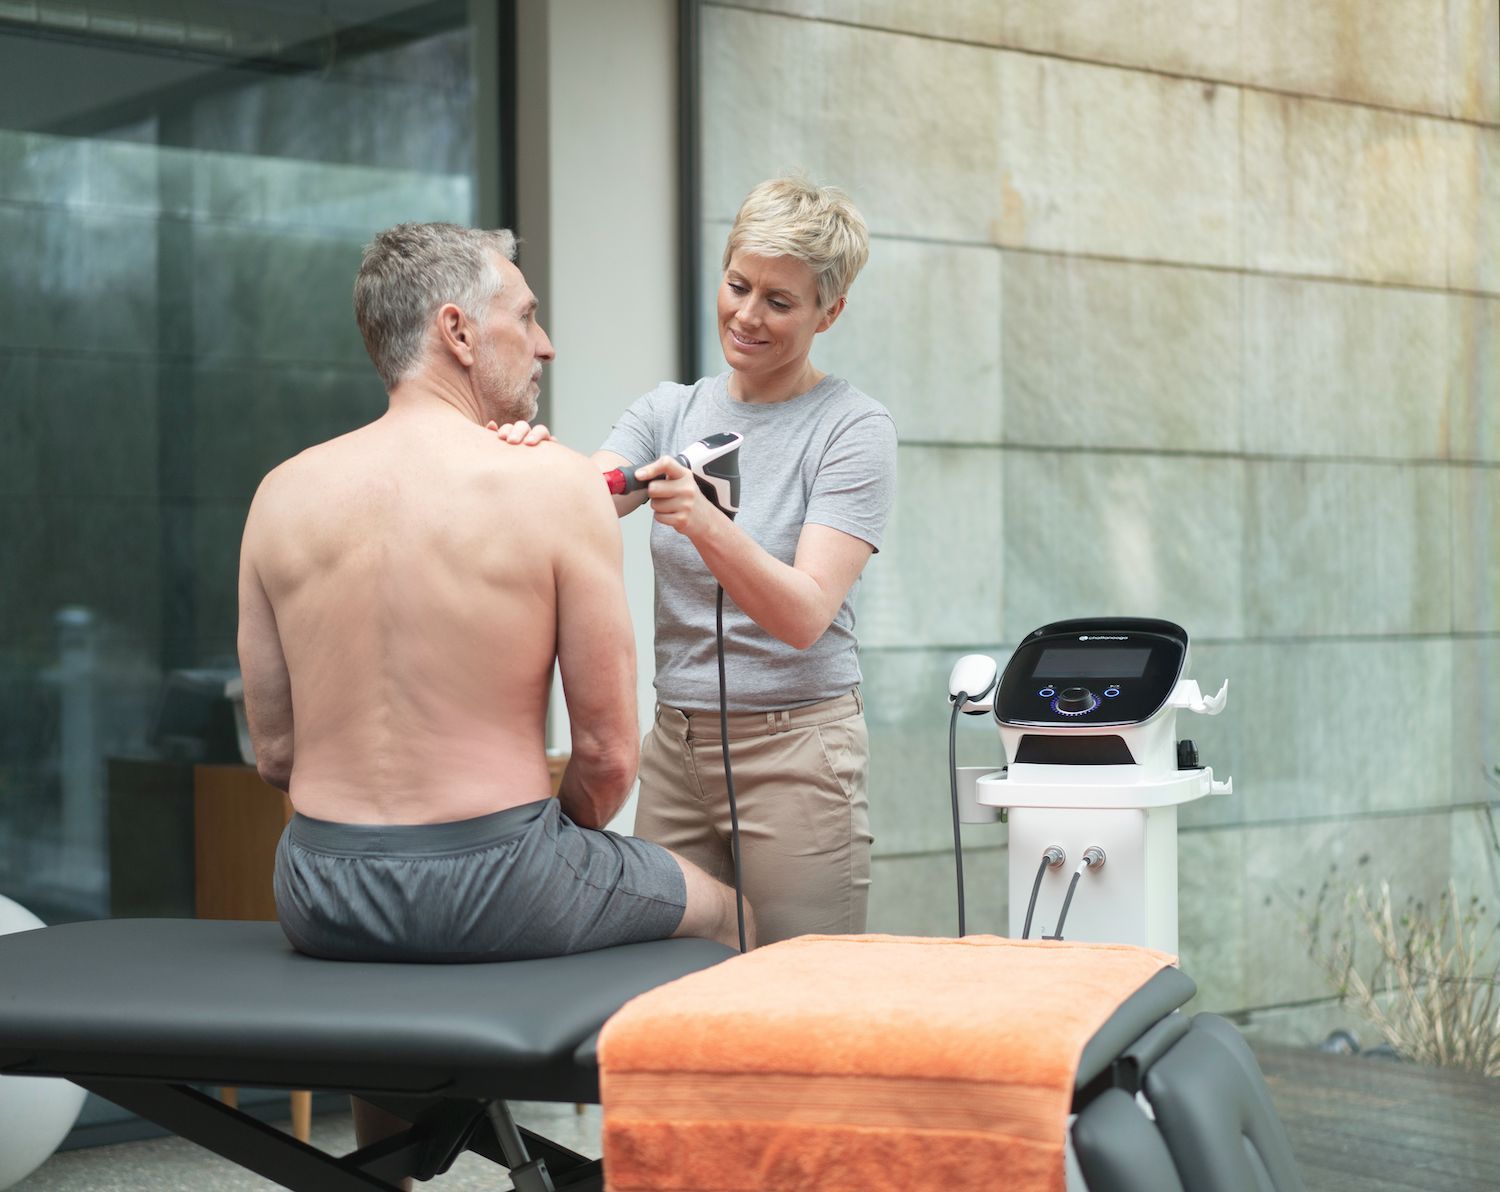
(301, 1115)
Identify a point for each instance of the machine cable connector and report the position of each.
(1093, 858)
(1053, 857)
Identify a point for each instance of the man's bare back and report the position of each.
(413, 567)
(404, 592)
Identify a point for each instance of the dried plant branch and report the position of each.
(1425, 991)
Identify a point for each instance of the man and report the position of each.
(404, 592)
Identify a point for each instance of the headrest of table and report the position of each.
(203, 1000)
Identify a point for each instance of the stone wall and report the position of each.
(1188, 309)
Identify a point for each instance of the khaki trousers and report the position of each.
(801, 784)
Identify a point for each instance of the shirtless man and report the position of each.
(404, 591)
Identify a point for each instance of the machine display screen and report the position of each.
(1089, 672)
(1063, 662)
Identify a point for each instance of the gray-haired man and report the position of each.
(404, 592)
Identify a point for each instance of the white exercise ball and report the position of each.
(36, 1113)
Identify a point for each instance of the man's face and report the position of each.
(511, 350)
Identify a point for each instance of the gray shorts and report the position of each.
(517, 884)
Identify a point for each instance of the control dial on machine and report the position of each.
(1075, 701)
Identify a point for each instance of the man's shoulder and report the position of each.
(551, 475)
(306, 465)
(289, 474)
(551, 463)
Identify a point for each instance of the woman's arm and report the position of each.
(795, 603)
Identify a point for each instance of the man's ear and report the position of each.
(830, 316)
(456, 333)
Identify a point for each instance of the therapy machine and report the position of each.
(1094, 774)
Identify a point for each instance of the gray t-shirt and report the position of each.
(827, 456)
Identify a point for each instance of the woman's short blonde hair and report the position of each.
(818, 225)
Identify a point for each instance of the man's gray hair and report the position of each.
(408, 273)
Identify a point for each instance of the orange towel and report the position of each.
(859, 1063)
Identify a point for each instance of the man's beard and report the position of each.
(506, 399)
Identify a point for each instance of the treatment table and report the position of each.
(140, 1011)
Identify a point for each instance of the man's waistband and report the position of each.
(416, 840)
(696, 724)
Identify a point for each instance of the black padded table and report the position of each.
(140, 1011)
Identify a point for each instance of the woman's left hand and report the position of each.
(675, 498)
(521, 433)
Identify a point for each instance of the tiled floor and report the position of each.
(173, 1165)
(1362, 1124)
(1355, 1124)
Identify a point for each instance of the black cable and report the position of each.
(1036, 885)
(734, 815)
(958, 845)
(1073, 885)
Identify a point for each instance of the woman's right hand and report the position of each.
(676, 500)
(521, 433)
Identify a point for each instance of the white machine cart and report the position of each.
(1087, 712)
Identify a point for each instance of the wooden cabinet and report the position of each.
(237, 820)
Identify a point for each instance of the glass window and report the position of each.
(185, 189)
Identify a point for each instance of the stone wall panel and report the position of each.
(1323, 729)
(1337, 191)
(1391, 55)
(1093, 159)
(1150, 536)
(1286, 867)
(1346, 548)
(1121, 355)
(922, 334)
(906, 125)
(1473, 380)
(1476, 550)
(1474, 59)
(1344, 371)
(939, 577)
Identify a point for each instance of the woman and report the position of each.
(818, 466)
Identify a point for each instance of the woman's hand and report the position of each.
(521, 433)
(676, 500)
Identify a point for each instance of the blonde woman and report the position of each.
(818, 468)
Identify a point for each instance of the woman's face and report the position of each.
(768, 314)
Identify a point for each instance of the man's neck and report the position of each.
(425, 393)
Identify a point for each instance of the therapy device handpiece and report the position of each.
(1087, 713)
(714, 462)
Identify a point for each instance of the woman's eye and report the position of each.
(779, 305)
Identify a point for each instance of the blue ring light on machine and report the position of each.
(1080, 712)
(1047, 692)
(1111, 692)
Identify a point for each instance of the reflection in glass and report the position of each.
(185, 188)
